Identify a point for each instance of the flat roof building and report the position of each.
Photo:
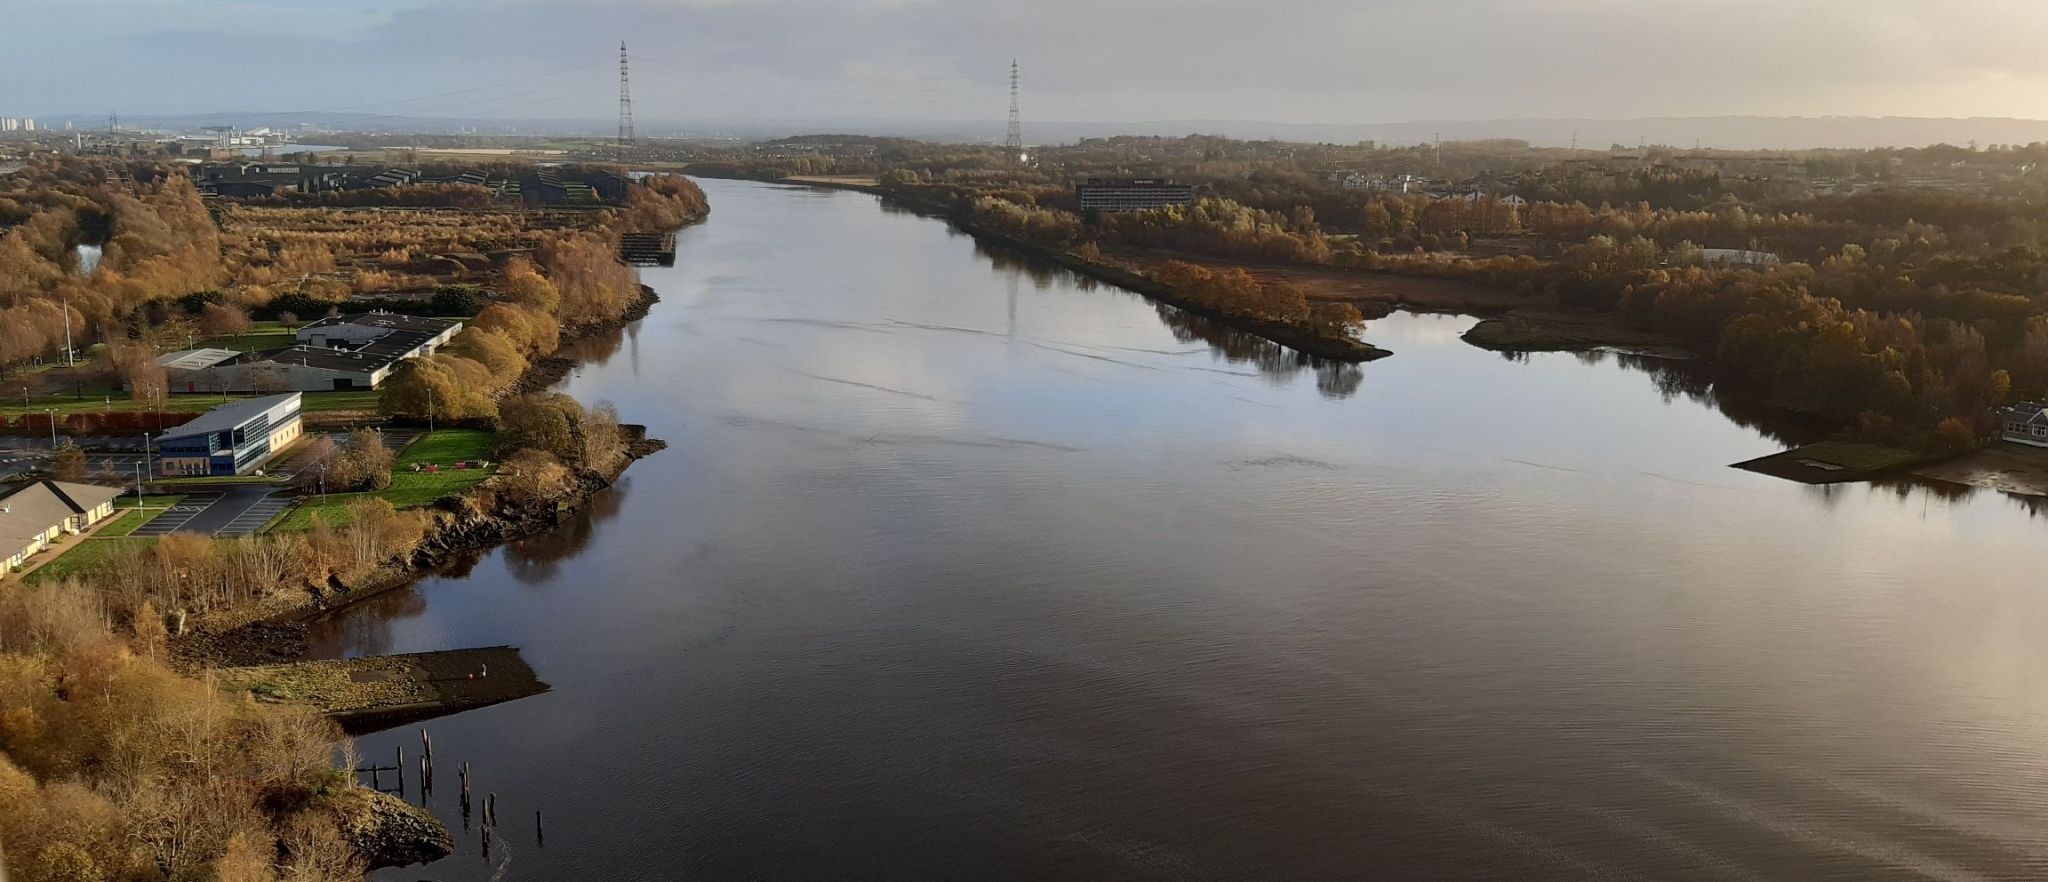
(1132, 194)
(340, 352)
(34, 513)
(232, 439)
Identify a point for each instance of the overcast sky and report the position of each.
(1083, 60)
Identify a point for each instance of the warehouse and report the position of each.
(342, 352)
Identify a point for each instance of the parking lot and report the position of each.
(223, 510)
(230, 511)
(177, 516)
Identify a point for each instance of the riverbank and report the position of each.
(1835, 462)
(1345, 349)
(2003, 466)
(273, 630)
(1558, 329)
(365, 695)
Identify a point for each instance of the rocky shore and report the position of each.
(474, 521)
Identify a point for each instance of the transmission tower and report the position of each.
(1014, 144)
(625, 105)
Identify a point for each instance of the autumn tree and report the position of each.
(68, 463)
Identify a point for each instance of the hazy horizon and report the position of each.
(1286, 63)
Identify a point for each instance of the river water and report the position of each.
(960, 567)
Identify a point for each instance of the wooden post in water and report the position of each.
(491, 810)
(540, 836)
(463, 771)
(399, 751)
(487, 843)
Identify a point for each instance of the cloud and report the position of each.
(1295, 60)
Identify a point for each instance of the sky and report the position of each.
(1307, 61)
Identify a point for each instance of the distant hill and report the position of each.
(1728, 132)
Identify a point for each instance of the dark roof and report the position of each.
(395, 321)
(2026, 412)
(228, 416)
(368, 358)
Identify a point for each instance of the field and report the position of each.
(1830, 462)
(83, 555)
(409, 488)
(94, 401)
(1373, 293)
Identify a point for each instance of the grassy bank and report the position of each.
(1557, 329)
(413, 484)
(1831, 462)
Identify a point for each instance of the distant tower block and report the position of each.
(1014, 144)
(625, 105)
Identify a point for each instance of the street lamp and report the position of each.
(68, 362)
(147, 466)
(53, 426)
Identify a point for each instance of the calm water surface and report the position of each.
(959, 567)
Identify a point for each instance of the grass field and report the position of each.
(255, 340)
(356, 399)
(116, 401)
(204, 480)
(409, 489)
(1830, 462)
(84, 555)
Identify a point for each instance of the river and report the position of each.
(961, 567)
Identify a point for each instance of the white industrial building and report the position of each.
(341, 352)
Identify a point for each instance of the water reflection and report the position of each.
(366, 627)
(535, 560)
(948, 575)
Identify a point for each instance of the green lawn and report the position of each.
(256, 339)
(203, 480)
(409, 489)
(116, 401)
(102, 402)
(1855, 456)
(81, 556)
(354, 399)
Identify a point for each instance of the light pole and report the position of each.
(67, 328)
(147, 466)
(53, 427)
